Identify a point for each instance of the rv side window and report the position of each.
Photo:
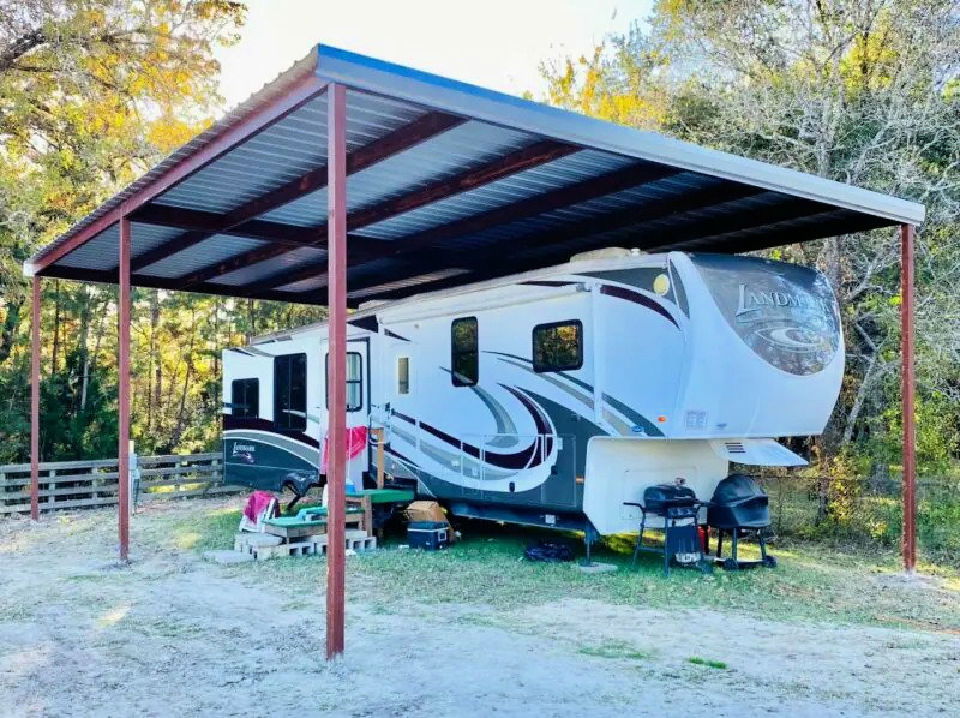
(403, 375)
(354, 381)
(245, 397)
(558, 346)
(290, 392)
(464, 352)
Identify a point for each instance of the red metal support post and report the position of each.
(907, 389)
(337, 376)
(35, 402)
(123, 431)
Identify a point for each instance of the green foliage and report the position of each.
(862, 93)
(698, 661)
(93, 93)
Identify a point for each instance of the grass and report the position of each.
(697, 661)
(615, 649)
(487, 568)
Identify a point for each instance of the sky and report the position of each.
(495, 43)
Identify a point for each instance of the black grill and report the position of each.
(739, 502)
(670, 500)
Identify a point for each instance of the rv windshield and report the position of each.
(785, 313)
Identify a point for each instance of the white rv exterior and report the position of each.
(555, 396)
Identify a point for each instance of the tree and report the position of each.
(860, 91)
(92, 92)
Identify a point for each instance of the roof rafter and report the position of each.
(625, 178)
(425, 126)
(708, 228)
(525, 158)
(111, 276)
(199, 221)
(633, 217)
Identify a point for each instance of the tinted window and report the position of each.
(464, 352)
(403, 375)
(354, 381)
(558, 346)
(245, 397)
(290, 392)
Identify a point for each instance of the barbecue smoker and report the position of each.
(678, 506)
(739, 506)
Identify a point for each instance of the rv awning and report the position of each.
(448, 183)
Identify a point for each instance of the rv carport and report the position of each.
(349, 179)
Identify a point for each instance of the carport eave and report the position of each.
(360, 72)
(301, 86)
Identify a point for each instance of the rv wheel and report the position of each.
(730, 564)
(770, 561)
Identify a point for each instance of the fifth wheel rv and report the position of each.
(554, 397)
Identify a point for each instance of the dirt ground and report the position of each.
(173, 635)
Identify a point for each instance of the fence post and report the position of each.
(134, 478)
(51, 488)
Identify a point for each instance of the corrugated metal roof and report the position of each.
(596, 184)
(209, 251)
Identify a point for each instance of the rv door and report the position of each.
(358, 405)
(397, 396)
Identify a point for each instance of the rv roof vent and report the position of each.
(606, 253)
(735, 447)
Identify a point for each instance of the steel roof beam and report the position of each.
(765, 221)
(526, 158)
(831, 223)
(401, 139)
(617, 181)
(192, 220)
(111, 276)
(656, 210)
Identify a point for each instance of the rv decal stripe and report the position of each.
(525, 458)
(291, 446)
(501, 416)
(547, 283)
(635, 417)
(649, 428)
(572, 379)
(637, 298)
(247, 422)
(394, 335)
(540, 418)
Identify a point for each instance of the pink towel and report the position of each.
(356, 443)
(256, 503)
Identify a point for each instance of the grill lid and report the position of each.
(737, 488)
(665, 495)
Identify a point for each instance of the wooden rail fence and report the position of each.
(91, 484)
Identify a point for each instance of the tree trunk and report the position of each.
(153, 371)
(11, 322)
(56, 325)
(84, 367)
